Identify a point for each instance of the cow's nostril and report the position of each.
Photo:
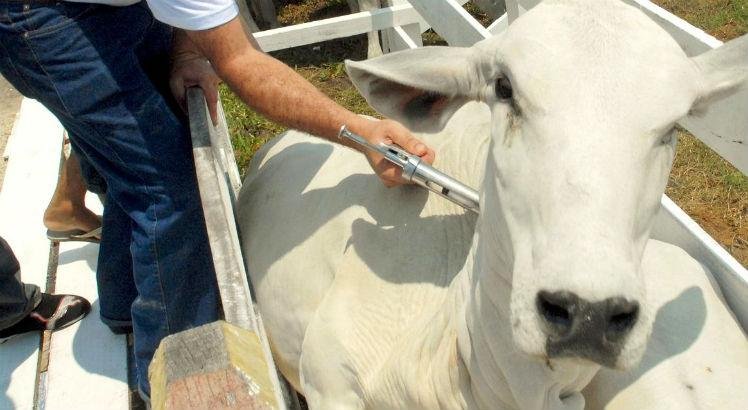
(553, 308)
(622, 318)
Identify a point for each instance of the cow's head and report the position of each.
(584, 99)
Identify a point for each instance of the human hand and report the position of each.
(194, 70)
(389, 132)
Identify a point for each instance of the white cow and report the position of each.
(394, 299)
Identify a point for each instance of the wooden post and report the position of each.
(219, 365)
(215, 366)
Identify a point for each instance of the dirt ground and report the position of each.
(10, 101)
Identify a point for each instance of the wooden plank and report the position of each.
(672, 225)
(87, 353)
(512, 10)
(451, 21)
(401, 37)
(337, 27)
(218, 182)
(214, 366)
(218, 208)
(724, 128)
(30, 178)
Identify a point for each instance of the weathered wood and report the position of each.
(451, 21)
(218, 181)
(30, 177)
(218, 208)
(214, 366)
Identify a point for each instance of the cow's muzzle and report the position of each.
(595, 331)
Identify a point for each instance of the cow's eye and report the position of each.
(503, 88)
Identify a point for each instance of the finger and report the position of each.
(429, 157)
(410, 143)
(211, 97)
(389, 174)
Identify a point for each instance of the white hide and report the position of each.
(696, 359)
(394, 299)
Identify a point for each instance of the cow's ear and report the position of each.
(724, 70)
(421, 88)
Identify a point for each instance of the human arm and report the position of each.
(278, 92)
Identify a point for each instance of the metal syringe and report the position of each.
(421, 173)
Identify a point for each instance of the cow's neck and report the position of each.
(500, 376)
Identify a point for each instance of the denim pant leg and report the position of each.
(16, 298)
(86, 63)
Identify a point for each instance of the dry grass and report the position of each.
(711, 191)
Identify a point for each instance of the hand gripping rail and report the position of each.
(421, 173)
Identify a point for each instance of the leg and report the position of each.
(16, 298)
(66, 213)
(102, 91)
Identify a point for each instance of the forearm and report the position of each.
(271, 87)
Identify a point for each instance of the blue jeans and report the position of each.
(101, 70)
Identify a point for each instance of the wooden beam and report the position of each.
(337, 27)
(405, 37)
(512, 10)
(451, 21)
(219, 184)
(214, 366)
(402, 38)
(218, 208)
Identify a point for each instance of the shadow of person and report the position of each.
(83, 253)
(18, 351)
(395, 217)
(99, 351)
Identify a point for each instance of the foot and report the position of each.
(54, 312)
(66, 218)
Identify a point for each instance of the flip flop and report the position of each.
(71, 235)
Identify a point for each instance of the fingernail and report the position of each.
(420, 148)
